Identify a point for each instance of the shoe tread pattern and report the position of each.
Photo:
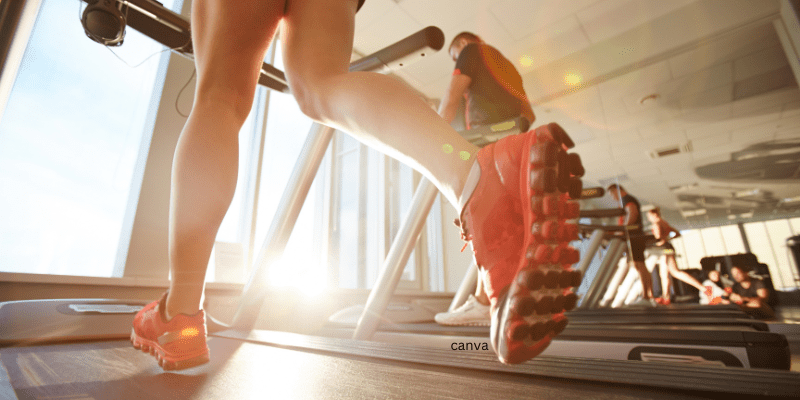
(532, 310)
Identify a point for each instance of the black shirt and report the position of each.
(752, 291)
(627, 199)
(495, 92)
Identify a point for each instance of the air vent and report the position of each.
(683, 188)
(672, 150)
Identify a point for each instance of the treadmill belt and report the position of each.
(242, 370)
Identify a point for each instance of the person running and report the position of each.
(633, 221)
(662, 230)
(499, 191)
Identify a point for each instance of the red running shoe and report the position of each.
(516, 219)
(177, 344)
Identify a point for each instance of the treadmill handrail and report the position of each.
(174, 31)
(602, 213)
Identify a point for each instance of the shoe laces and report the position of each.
(505, 233)
(465, 236)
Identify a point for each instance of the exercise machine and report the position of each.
(250, 363)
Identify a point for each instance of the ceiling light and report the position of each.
(747, 193)
(791, 199)
(693, 213)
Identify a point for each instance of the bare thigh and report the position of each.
(317, 38)
(230, 39)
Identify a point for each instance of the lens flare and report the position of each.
(189, 332)
(464, 155)
(525, 61)
(572, 78)
(447, 148)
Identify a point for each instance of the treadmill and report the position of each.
(78, 348)
(712, 335)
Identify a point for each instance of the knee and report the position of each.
(234, 101)
(313, 95)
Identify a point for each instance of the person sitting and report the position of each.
(714, 290)
(751, 294)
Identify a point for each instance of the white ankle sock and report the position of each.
(469, 186)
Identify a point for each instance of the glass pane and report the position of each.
(287, 129)
(348, 222)
(733, 239)
(712, 242)
(374, 198)
(76, 121)
(779, 230)
(761, 246)
(680, 252)
(406, 193)
(235, 224)
(693, 245)
(795, 223)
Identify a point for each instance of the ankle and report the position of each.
(177, 304)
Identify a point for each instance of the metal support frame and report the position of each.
(604, 274)
(308, 162)
(617, 278)
(396, 260)
(412, 226)
(594, 244)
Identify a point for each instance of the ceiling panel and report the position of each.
(523, 18)
(706, 143)
(672, 90)
(549, 44)
(765, 60)
(733, 46)
(607, 19)
(791, 109)
(706, 98)
(389, 28)
(582, 106)
(700, 57)
(642, 170)
(641, 81)
(783, 96)
(372, 11)
(446, 14)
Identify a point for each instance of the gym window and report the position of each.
(766, 239)
(73, 139)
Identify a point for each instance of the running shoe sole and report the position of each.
(169, 362)
(531, 309)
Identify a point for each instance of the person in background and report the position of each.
(494, 93)
(633, 221)
(751, 294)
(714, 291)
(662, 230)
